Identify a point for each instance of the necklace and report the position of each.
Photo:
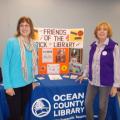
(27, 44)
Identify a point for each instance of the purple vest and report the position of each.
(106, 63)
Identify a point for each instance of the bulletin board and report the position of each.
(54, 48)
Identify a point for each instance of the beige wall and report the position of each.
(60, 14)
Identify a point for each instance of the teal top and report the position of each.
(12, 65)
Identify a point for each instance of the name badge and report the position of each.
(104, 53)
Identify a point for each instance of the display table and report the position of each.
(64, 100)
(3, 105)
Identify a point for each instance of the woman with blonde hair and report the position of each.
(103, 70)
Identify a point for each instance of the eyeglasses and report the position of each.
(26, 26)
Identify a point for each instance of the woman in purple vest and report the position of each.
(103, 70)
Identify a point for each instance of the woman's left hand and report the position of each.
(113, 91)
(34, 85)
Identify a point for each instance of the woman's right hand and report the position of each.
(10, 92)
(81, 78)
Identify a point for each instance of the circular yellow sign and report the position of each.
(64, 67)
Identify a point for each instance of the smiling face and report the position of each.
(25, 29)
(103, 31)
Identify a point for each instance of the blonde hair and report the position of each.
(107, 26)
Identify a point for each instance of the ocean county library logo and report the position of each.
(69, 106)
(41, 107)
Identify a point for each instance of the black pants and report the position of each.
(17, 103)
